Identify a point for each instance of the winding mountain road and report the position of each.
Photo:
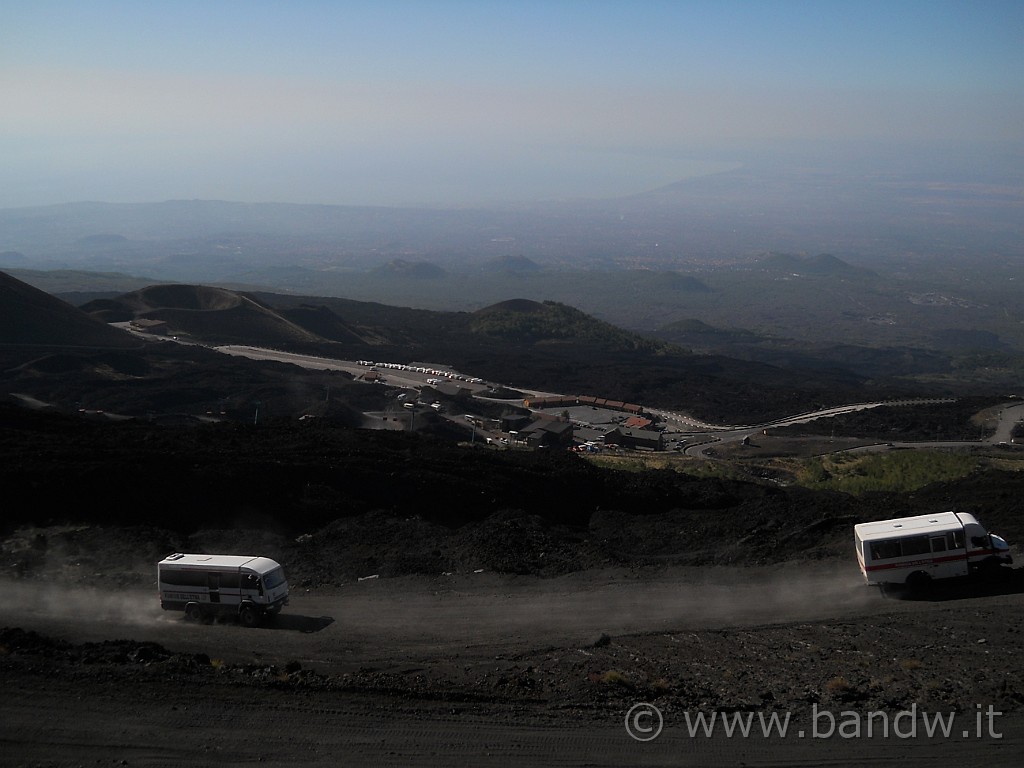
(707, 435)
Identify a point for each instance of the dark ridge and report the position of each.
(208, 314)
(523, 306)
(31, 316)
(512, 265)
(822, 264)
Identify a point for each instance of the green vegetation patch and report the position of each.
(896, 471)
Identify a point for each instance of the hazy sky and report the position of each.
(440, 102)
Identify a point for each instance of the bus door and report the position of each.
(254, 584)
(213, 586)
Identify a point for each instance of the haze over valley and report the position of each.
(556, 351)
(760, 263)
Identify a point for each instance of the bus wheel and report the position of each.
(248, 616)
(193, 612)
(919, 582)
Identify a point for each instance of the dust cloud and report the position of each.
(495, 609)
(70, 603)
(707, 598)
(489, 607)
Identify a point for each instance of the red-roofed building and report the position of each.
(637, 422)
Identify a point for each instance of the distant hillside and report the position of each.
(822, 264)
(697, 332)
(69, 283)
(555, 347)
(324, 323)
(542, 345)
(516, 265)
(549, 322)
(418, 270)
(674, 281)
(513, 307)
(30, 316)
(218, 315)
(207, 314)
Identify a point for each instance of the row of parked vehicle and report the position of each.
(451, 375)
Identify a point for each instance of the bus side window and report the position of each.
(955, 539)
(883, 550)
(183, 578)
(915, 545)
(938, 544)
(978, 541)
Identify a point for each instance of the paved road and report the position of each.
(405, 376)
(1010, 415)
(703, 435)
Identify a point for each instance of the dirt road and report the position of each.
(485, 669)
(373, 620)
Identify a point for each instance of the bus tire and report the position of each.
(193, 612)
(919, 582)
(248, 616)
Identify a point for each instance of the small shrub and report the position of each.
(659, 687)
(614, 677)
(838, 685)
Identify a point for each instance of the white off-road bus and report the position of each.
(202, 586)
(916, 550)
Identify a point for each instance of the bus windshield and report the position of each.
(274, 579)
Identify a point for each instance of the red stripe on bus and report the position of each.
(929, 561)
